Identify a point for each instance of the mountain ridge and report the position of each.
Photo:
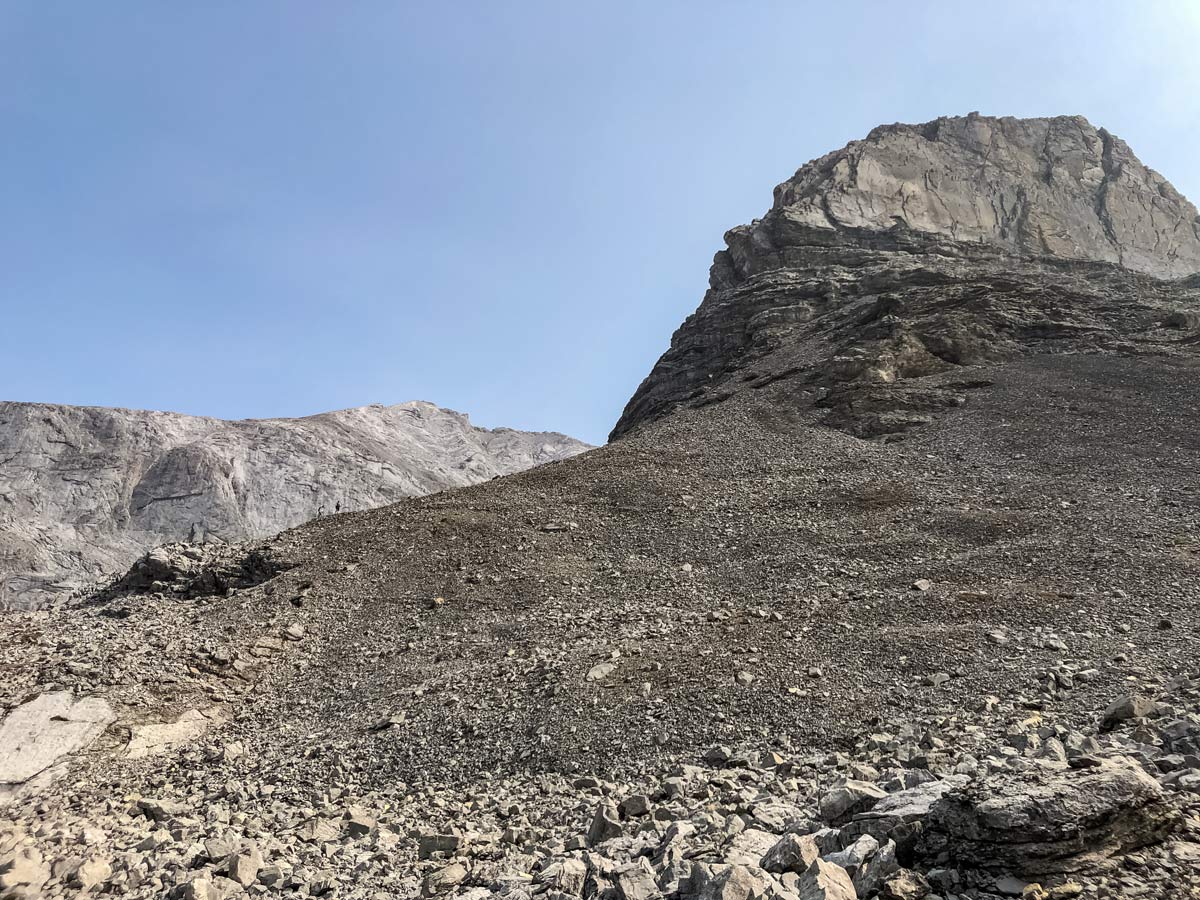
(84, 490)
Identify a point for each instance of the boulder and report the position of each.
(35, 735)
(791, 853)
(825, 881)
(1049, 820)
(842, 801)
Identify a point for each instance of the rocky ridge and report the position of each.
(1002, 223)
(84, 491)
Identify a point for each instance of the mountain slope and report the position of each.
(84, 490)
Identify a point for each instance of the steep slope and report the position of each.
(84, 490)
(905, 526)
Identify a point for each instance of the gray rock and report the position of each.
(791, 853)
(1130, 706)
(156, 477)
(37, 734)
(443, 879)
(606, 825)
(843, 800)
(825, 881)
(146, 740)
(1049, 820)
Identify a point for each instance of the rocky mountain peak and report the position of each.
(924, 248)
(1054, 187)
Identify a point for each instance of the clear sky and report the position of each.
(277, 208)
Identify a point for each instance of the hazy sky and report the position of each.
(258, 209)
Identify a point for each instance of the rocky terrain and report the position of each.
(887, 588)
(85, 490)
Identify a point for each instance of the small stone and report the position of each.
(359, 822)
(635, 805)
(91, 873)
(1131, 706)
(905, 885)
(294, 632)
(443, 879)
(600, 671)
(744, 678)
(161, 810)
(430, 844)
(922, 584)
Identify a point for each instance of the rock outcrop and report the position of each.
(1007, 222)
(84, 490)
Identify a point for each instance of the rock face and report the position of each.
(988, 212)
(84, 490)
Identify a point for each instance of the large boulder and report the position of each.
(1048, 820)
(37, 734)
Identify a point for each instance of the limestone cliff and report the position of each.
(83, 490)
(1008, 214)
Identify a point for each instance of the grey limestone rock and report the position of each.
(85, 490)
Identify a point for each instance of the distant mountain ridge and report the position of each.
(83, 490)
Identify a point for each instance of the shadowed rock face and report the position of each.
(986, 216)
(85, 490)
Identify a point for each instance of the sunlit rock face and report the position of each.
(84, 490)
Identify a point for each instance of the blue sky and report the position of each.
(256, 209)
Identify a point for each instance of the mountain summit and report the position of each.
(1039, 187)
(1002, 221)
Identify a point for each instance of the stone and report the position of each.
(244, 866)
(606, 825)
(635, 805)
(791, 853)
(749, 846)
(905, 885)
(730, 883)
(842, 801)
(162, 810)
(636, 881)
(600, 671)
(40, 732)
(359, 822)
(200, 888)
(876, 870)
(433, 843)
(443, 879)
(147, 740)
(91, 873)
(23, 869)
(1130, 706)
(319, 830)
(852, 857)
(825, 881)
